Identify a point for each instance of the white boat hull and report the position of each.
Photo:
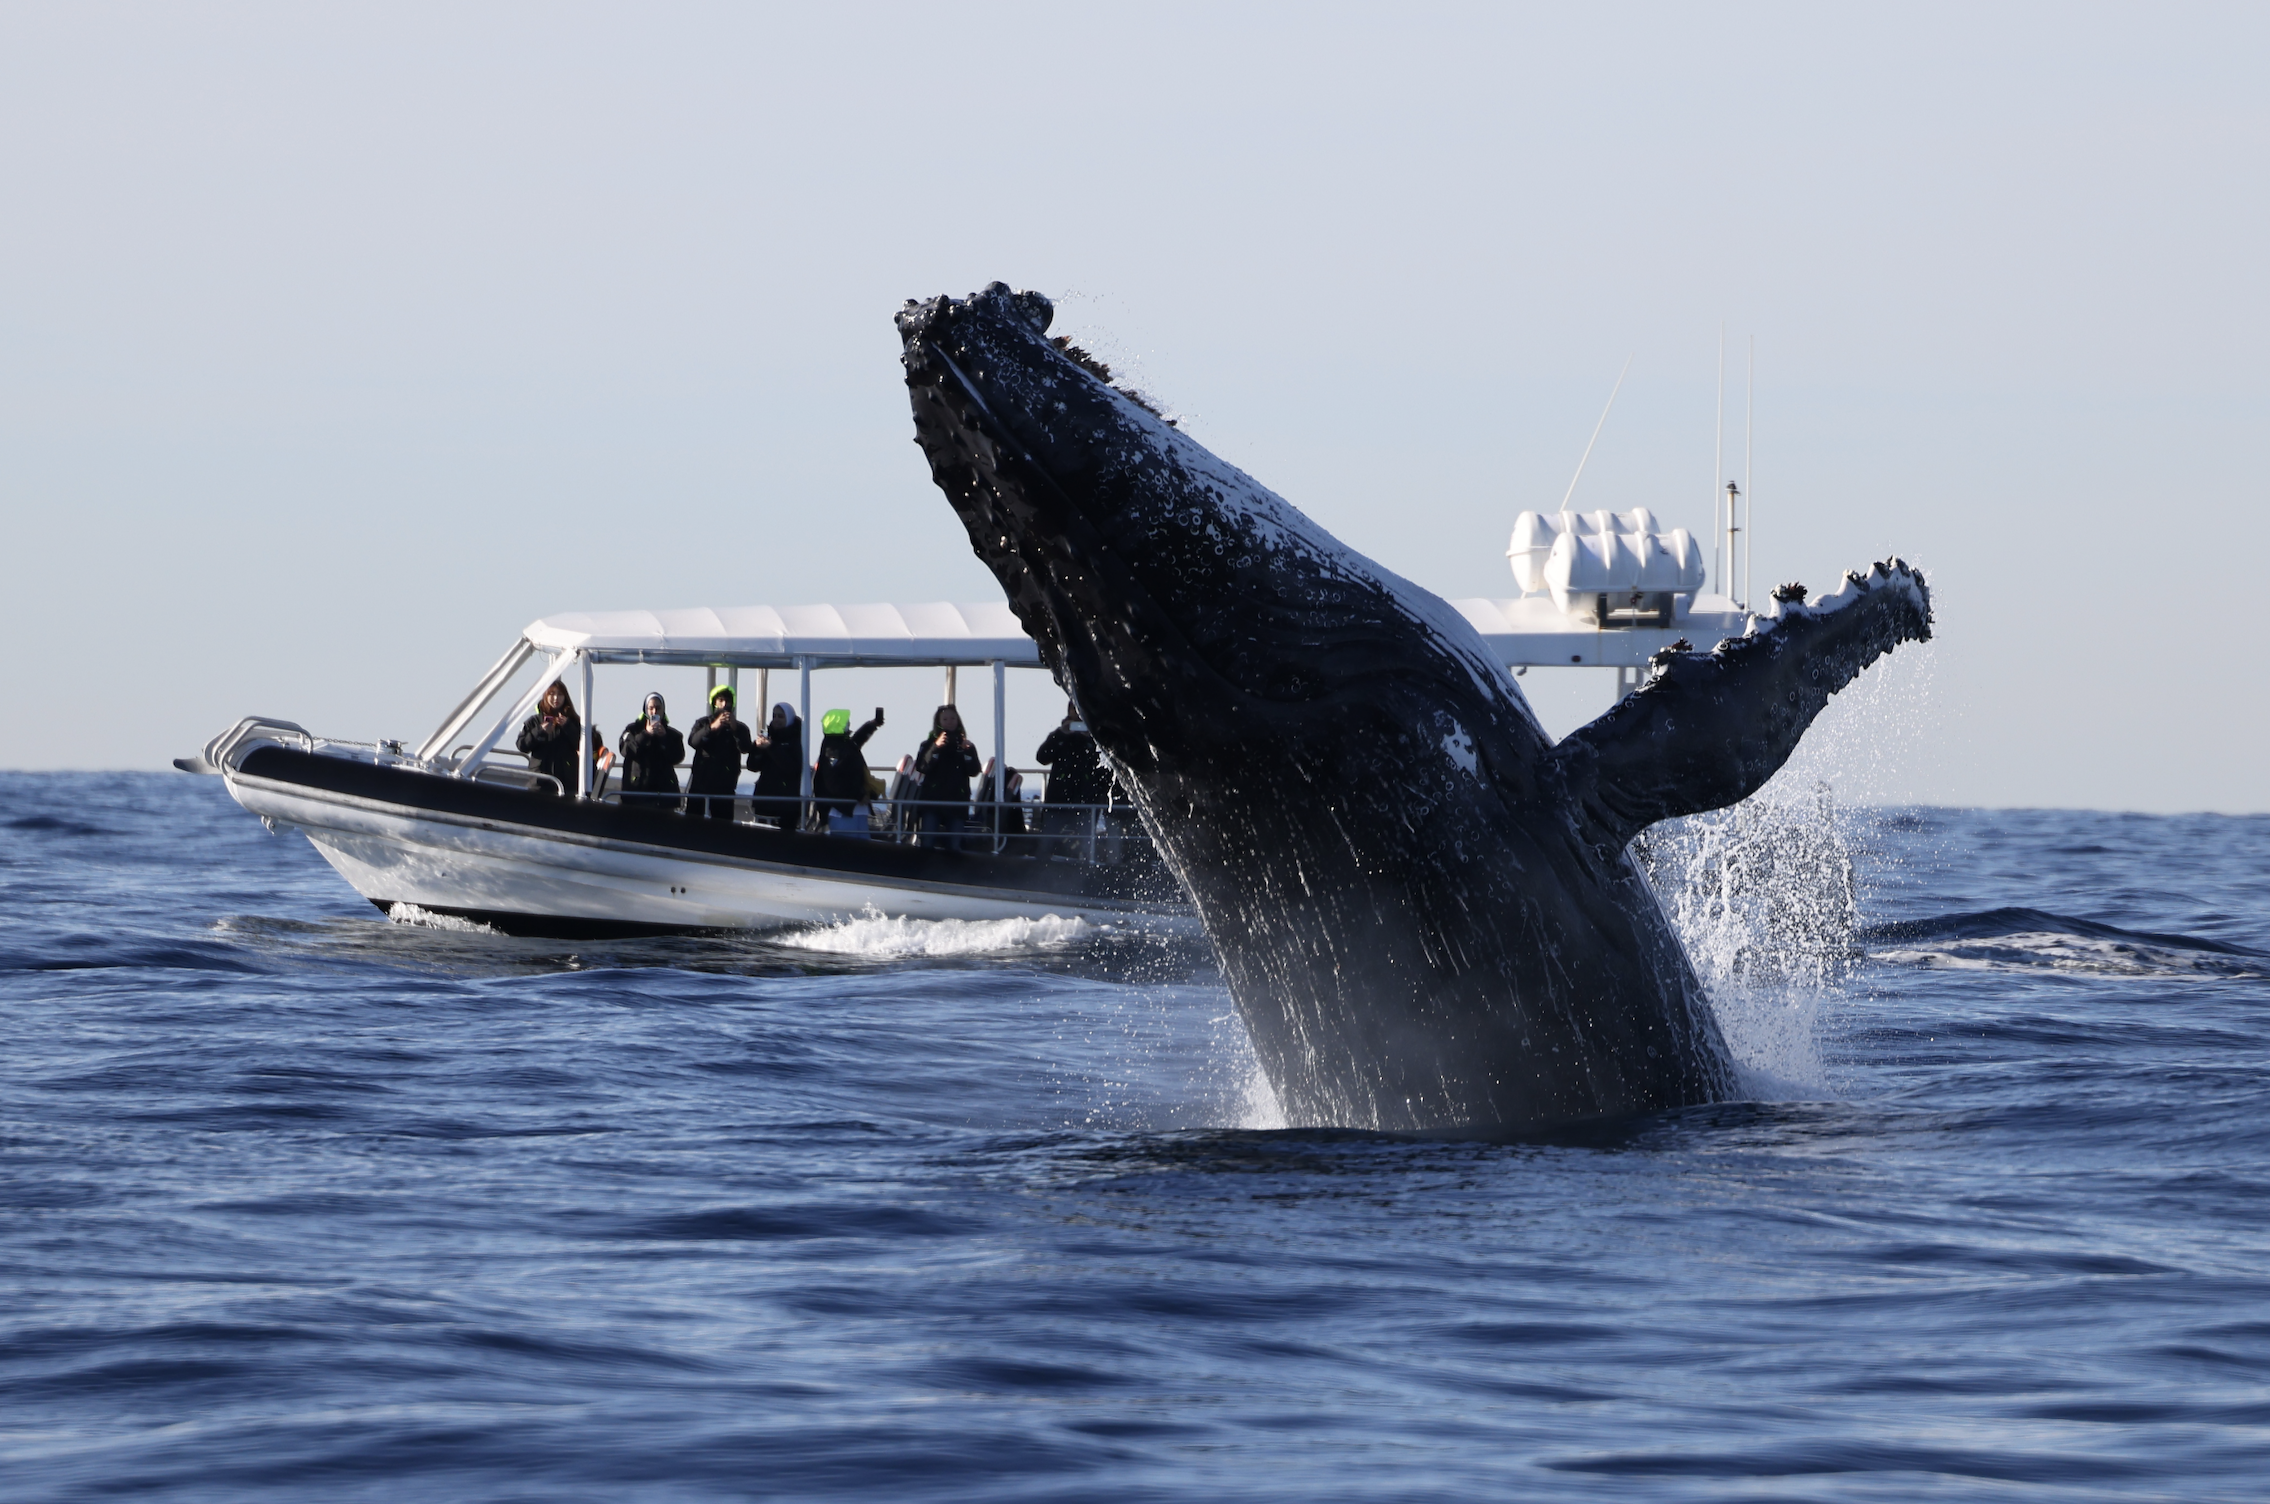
(494, 869)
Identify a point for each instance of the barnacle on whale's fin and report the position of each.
(1708, 729)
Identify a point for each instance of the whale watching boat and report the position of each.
(455, 826)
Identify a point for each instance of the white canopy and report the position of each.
(1517, 632)
(777, 636)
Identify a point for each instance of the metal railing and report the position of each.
(254, 728)
(1107, 834)
(231, 747)
(519, 778)
(1097, 834)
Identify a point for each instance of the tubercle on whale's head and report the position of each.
(1791, 602)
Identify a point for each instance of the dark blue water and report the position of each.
(300, 1204)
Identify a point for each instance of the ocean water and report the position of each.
(300, 1203)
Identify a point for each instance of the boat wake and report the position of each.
(881, 935)
(2030, 940)
(427, 919)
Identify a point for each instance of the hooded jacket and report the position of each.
(1075, 768)
(839, 775)
(779, 764)
(717, 755)
(552, 749)
(650, 759)
(946, 771)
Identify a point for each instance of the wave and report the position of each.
(111, 953)
(876, 934)
(2024, 939)
(54, 824)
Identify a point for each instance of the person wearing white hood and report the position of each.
(777, 758)
(652, 748)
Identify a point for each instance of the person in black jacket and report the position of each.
(1076, 775)
(652, 750)
(947, 762)
(719, 743)
(778, 762)
(549, 739)
(839, 773)
(1075, 765)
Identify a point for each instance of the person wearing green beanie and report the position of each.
(719, 742)
(839, 773)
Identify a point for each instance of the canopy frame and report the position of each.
(1520, 633)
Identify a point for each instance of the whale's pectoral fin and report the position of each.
(1708, 729)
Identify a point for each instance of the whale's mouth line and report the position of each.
(968, 385)
(998, 431)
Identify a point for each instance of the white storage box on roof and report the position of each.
(1600, 563)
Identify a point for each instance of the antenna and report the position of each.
(1718, 466)
(1733, 526)
(1603, 423)
(1749, 480)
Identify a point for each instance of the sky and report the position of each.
(338, 343)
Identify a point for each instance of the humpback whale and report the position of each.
(1424, 907)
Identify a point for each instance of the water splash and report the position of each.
(1257, 1107)
(427, 919)
(878, 934)
(1764, 893)
(1766, 898)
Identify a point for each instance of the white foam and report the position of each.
(1774, 1034)
(427, 919)
(2049, 951)
(1765, 897)
(1764, 1084)
(877, 934)
(1258, 1107)
(1764, 893)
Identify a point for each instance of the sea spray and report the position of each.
(1767, 895)
(1764, 892)
(1766, 899)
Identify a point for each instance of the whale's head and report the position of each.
(1193, 614)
